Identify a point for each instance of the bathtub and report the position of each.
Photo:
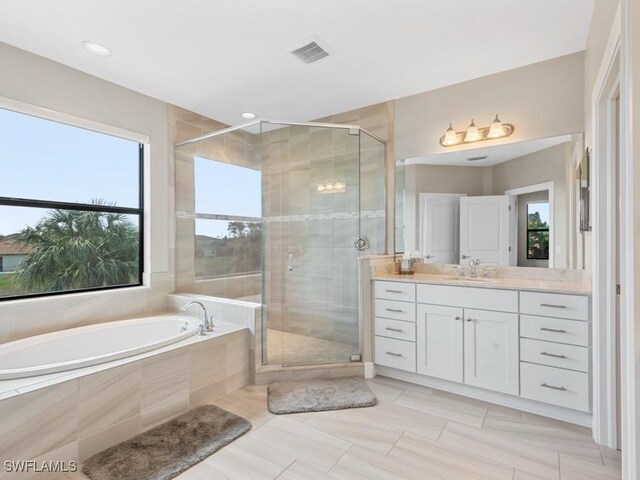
(91, 345)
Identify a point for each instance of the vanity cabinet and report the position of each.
(528, 344)
(491, 350)
(440, 342)
(475, 347)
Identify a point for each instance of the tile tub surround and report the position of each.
(73, 416)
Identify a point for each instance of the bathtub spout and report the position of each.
(207, 322)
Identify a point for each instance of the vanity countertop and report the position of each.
(548, 286)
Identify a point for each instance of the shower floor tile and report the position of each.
(286, 348)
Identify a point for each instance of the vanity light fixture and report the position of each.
(473, 133)
(96, 48)
(332, 187)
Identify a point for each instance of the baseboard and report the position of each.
(559, 413)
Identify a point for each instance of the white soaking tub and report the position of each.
(91, 345)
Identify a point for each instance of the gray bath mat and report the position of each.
(168, 449)
(319, 395)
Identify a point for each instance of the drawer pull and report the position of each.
(393, 329)
(393, 291)
(394, 354)
(551, 305)
(552, 387)
(469, 319)
(457, 318)
(554, 330)
(394, 310)
(552, 355)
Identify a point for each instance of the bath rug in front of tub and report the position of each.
(168, 449)
(319, 395)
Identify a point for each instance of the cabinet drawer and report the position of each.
(574, 307)
(396, 329)
(565, 388)
(396, 354)
(395, 291)
(396, 310)
(554, 354)
(572, 332)
(469, 297)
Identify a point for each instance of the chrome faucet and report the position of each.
(474, 268)
(207, 323)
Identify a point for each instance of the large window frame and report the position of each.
(537, 230)
(139, 211)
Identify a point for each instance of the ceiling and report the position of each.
(223, 57)
(495, 153)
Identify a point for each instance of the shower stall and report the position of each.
(279, 214)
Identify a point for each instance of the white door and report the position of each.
(439, 342)
(491, 350)
(439, 227)
(486, 229)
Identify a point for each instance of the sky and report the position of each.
(542, 208)
(45, 160)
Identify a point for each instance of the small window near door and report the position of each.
(538, 231)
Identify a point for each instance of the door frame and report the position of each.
(422, 198)
(539, 187)
(603, 239)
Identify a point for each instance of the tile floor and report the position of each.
(413, 433)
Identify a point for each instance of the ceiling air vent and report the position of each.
(475, 159)
(311, 52)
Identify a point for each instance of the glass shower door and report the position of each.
(312, 219)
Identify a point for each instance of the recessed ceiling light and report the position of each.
(96, 48)
(248, 115)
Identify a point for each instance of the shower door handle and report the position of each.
(290, 261)
(361, 243)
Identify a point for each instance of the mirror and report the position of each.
(515, 204)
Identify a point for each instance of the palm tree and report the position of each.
(79, 249)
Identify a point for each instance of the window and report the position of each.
(538, 231)
(71, 212)
(228, 203)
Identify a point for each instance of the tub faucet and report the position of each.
(207, 323)
(474, 268)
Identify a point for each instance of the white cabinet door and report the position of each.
(439, 342)
(439, 227)
(491, 356)
(487, 229)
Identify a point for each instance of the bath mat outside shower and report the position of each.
(319, 395)
(168, 449)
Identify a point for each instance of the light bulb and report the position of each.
(496, 130)
(472, 133)
(450, 136)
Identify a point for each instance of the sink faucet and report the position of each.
(207, 323)
(474, 268)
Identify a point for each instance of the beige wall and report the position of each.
(542, 100)
(72, 92)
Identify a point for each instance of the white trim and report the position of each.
(559, 413)
(629, 17)
(369, 370)
(550, 187)
(74, 121)
(603, 205)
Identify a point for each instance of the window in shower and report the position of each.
(227, 221)
(71, 208)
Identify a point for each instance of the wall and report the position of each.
(73, 92)
(541, 100)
